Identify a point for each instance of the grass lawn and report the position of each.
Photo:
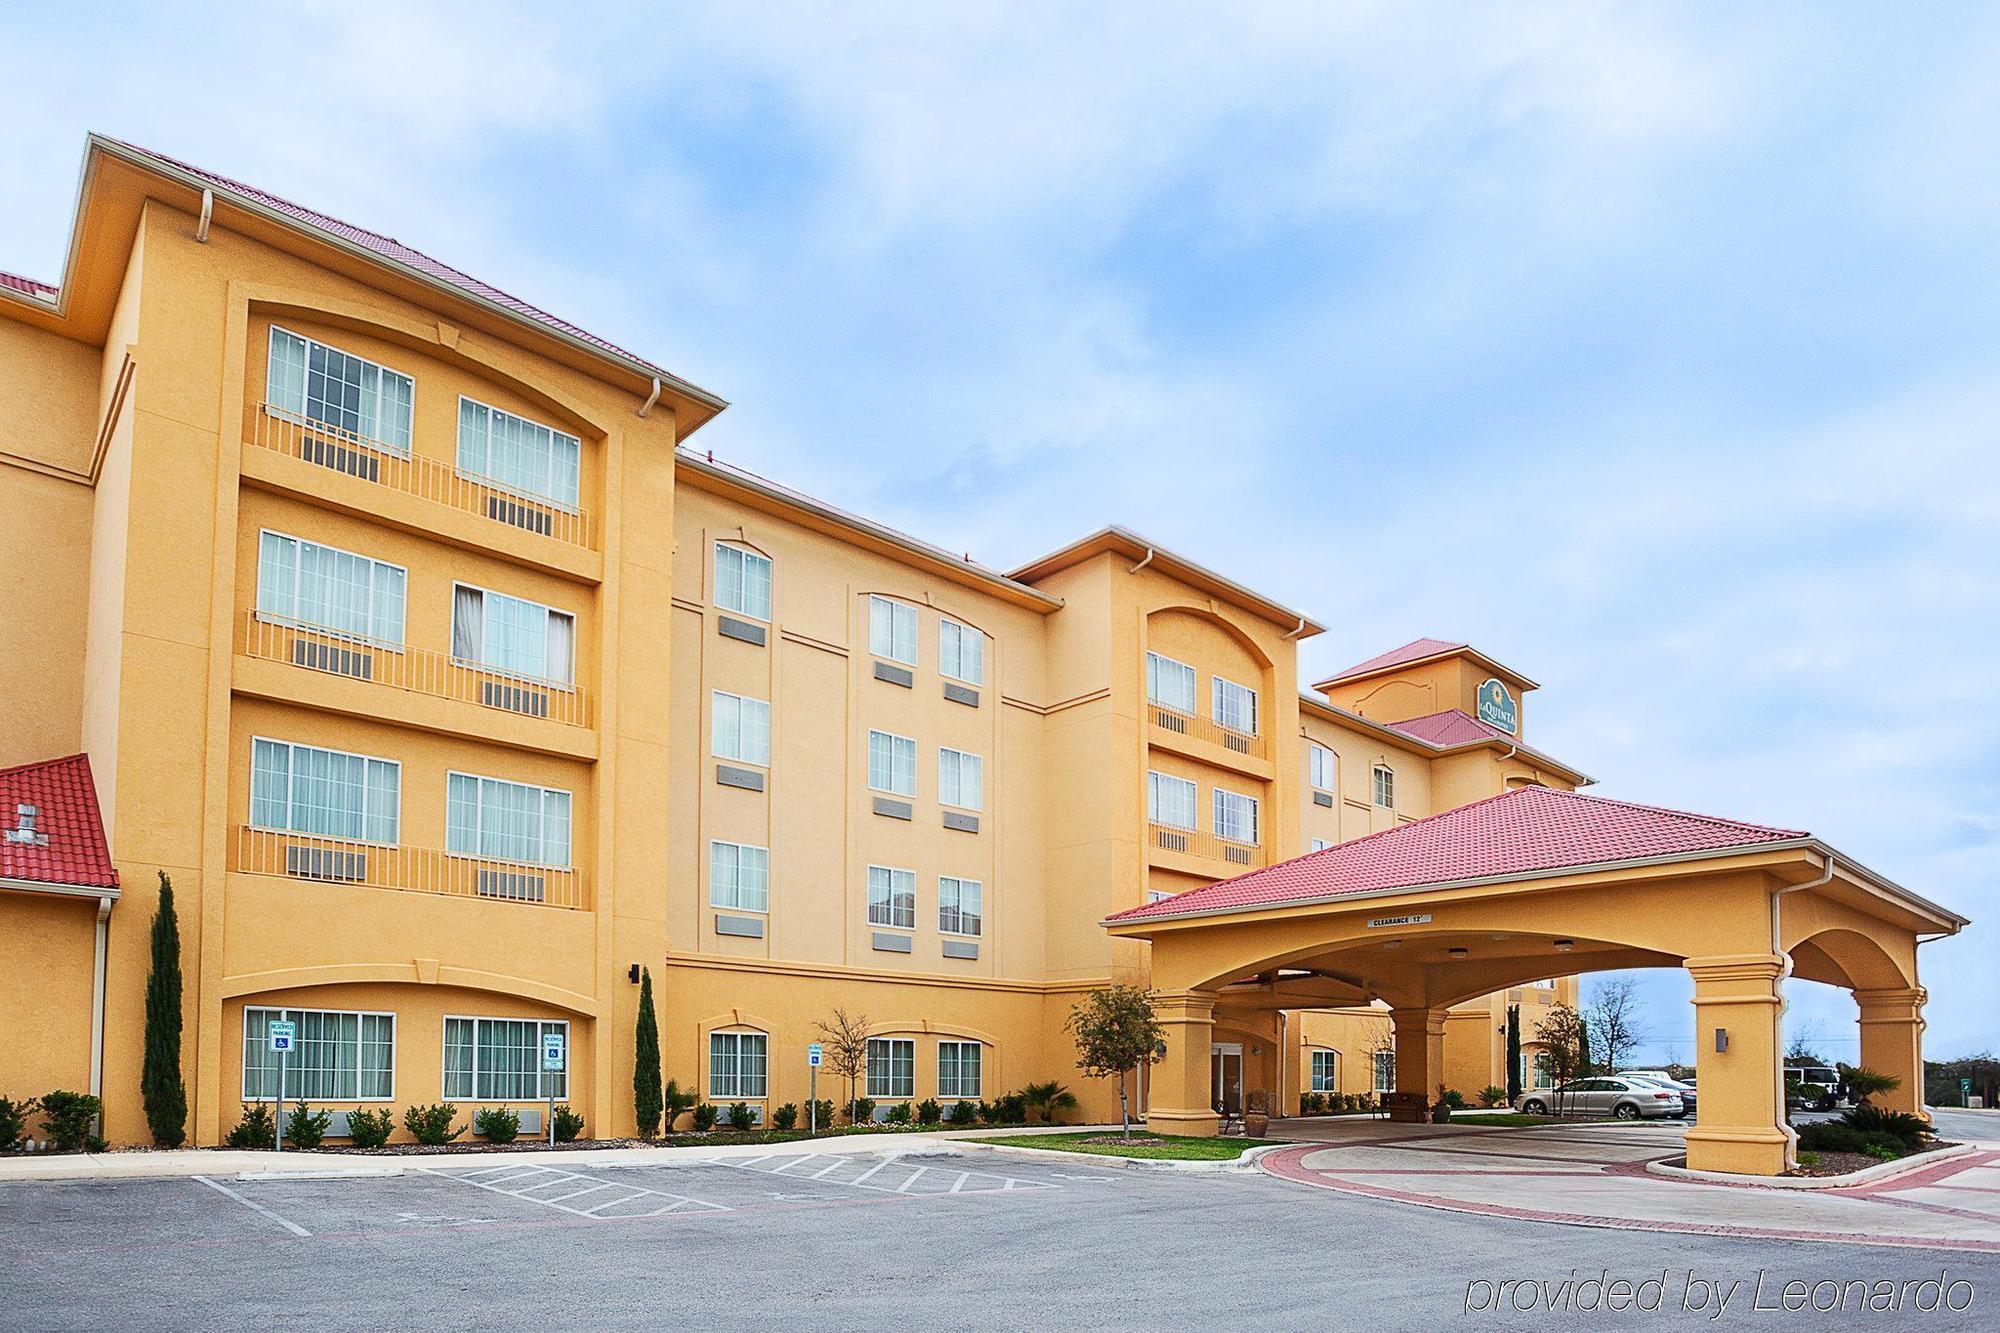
(1141, 1145)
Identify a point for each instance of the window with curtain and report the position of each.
(958, 1069)
(1325, 1071)
(742, 581)
(961, 779)
(308, 381)
(518, 454)
(328, 793)
(1235, 706)
(1385, 787)
(337, 1056)
(892, 763)
(1169, 800)
(514, 636)
(740, 728)
(506, 821)
(304, 583)
(1385, 1071)
(892, 897)
(737, 1065)
(500, 1060)
(892, 630)
(961, 652)
(1170, 683)
(892, 1067)
(1235, 816)
(959, 905)
(739, 877)
(1323, 768)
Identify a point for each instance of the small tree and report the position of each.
(1380, 1041)
(1513, 1055)
(646, 1061)
(1802, 1048)
(160, 1086)
(845, 1050)
(1615, 1019)
(1116, 1032)
(1563, 1032)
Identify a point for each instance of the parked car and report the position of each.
(1612, 1095)
(1814, 1087)
(1686, 1090)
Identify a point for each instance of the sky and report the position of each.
(1651, 349)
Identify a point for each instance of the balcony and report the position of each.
(416, 670)
(410, 869)
(1204, 846)
(1187, 726)
(425, 478)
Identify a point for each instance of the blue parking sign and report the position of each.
(813, 1054)
(283, 1032)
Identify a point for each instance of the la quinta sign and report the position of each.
(1497, 707)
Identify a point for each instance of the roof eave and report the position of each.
(1498, 668)
(1122, 539)
(60, 890)
(1382, 729)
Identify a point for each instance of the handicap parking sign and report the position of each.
(283, 1032)
(812, 1055)
(552, 1052)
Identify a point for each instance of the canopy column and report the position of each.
(1419, 1056)
(1739, 1064)
(1182, 1097)
(1892, 1042)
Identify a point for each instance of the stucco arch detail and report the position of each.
(1211, 617)
(409, 974)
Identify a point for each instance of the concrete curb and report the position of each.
(1245, 1162)
(1872, 1175)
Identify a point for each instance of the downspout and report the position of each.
(207, 212)
(1784, 972)
(1300, 630)
(653, 398)
(97, 997)
(1143, 563)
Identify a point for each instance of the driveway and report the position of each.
(1595, 1175)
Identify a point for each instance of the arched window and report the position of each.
(742, 581)
(737, 1064)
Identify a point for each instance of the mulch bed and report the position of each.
(1847, 1163)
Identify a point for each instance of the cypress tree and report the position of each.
(1513, 1054)
(160, 1083)
(646, 1062)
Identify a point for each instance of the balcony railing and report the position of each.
(1195, 842)
(412, 869)
(417, 670)
(1202, 729)
(426, 478)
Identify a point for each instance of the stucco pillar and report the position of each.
(1892, 1042)
(1181, 1096)
(1740, 1125)
(1419, 1051)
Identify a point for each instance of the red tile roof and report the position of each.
(1451, 727)
(1528, 831)
(26, 286)
(65, 798)
(1414, 650)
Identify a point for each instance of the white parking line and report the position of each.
(920, 1182)
(290, 1226)
(512, 1187)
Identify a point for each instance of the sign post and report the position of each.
(812, 1100)
(1965, 1092)
(283, 1032)
(554, 1060)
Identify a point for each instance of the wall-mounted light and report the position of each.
(1721, 1040)
(1564, 946)
(632, 974)
(1392, 944)
(1458, 951)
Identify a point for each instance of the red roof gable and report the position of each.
(1414, 650)
(1518, 833)
(65, 799)
(1453, 726)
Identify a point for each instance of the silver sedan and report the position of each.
(1620, 1098)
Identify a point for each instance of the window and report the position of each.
(521, 455)
(742, 581)
(329, 793)
(309, 381)
(892, 763)
(508, 821)
(959, 905)
(741, 729)
(958, 1069)
(892, 897)
(739, 877)
(337, 1056)
(892, 630)
(1320, 844)
(1385, 1071)
(1545, 1070)
(1169, 800)
(961, 779)
(736, 1065)
(1546, 984)
(500, 1060)
(1323, 768)
(892, 1067)
(1156, 896)
(1325, 1071)
(508, 634)
(1385, 786)
(1235, 706)
(1235, 817)
(961, 652)
(1170, 683)
(305, 583)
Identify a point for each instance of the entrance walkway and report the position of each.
(1595, 1175)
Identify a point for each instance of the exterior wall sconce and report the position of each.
(632, 974)
(1721, 1040)
(1564, 946)
(1458, 951)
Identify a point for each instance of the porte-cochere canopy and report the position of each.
(1536, 883)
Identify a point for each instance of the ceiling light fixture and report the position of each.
(1564, 946)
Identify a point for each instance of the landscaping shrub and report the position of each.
(432, 1124)
(677, 1103)
(1910, 1130)
(1454, 1099)
(256, 1129)
(740, 1116)
(786, 1117)
(497, 1124)
(369, 1129)
(704, 1118)
(964, 1114)
(1045, 1101)
(988, 1112)
(1836, 1136)
(1312, 1103)
(1492, 1095)
(568, 1124)
(864, 1111)
(67, 1116)
(899, 1114)
(14, 1122)
(1013, 1109)
(825, 1116)
(929, 1112)
(305, 1128)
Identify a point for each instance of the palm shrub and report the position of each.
(704, 1117)
(160, 1086)
(369, 1129)
(1492, 1095)
(786, 1117)
(67, 1116)
(256, 1129)
(964, 1114)
(569, 1124)
(432, 1124)
(1866, 1083)
(1454, 1099)
(497, 1124)
(306, 1128)
(1911, 1130)
(929, 1112)
(1047, 1100)
(14, 1122)
(676, 1103)
(739, 1115)
(646, 1097)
